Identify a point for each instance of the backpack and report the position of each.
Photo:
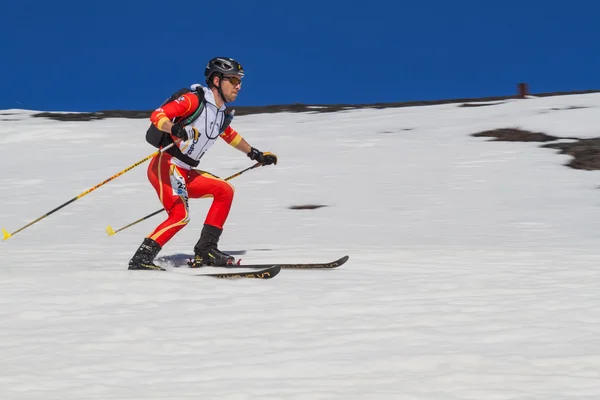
(159, 139)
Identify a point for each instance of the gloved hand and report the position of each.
(184, 133)
(263, 158)
(179, 131)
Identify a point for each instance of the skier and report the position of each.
(171, 172)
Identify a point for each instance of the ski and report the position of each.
(265, 273)
(326, 265)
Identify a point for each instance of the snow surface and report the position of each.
(473, 270)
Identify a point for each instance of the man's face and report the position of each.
(231, 85)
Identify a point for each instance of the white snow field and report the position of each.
(473, 271)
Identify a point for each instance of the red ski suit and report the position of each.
(175, 184)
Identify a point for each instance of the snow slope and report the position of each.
(473, 269)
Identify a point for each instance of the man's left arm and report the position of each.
(236, 140)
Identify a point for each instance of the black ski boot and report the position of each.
(144, 256)
(206, 251)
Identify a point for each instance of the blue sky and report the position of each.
(90, 56)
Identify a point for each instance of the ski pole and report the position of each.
(6, 235)
(111, 231)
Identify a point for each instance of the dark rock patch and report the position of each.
(307, 207)
(391, 131)
(515, 135)
(585, 153)
(478, 104)
(561, 109)
(568, 108)
(91, 116)
(296, 107)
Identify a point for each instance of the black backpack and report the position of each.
(159, 139)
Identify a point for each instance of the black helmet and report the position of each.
(223, 66)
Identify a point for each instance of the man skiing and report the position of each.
(194, 121)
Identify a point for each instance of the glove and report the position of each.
(263, 158)
(184, 132)
(179, 131)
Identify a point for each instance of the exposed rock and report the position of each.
(479, 104)
(307, 207)
(297, 107)
(515, 135)
(585, 152)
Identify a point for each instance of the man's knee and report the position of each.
(226, 191)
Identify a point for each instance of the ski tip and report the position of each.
(339, 262)
(266, 273)
(110, 230)
(272, 272)
(5, 234)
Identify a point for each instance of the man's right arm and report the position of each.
(181, 107)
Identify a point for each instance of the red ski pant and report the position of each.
(174, 185)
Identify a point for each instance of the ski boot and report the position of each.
(144, 256)
(206, 251)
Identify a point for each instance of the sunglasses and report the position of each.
(234, 80)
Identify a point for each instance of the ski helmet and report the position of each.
(223, 66)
